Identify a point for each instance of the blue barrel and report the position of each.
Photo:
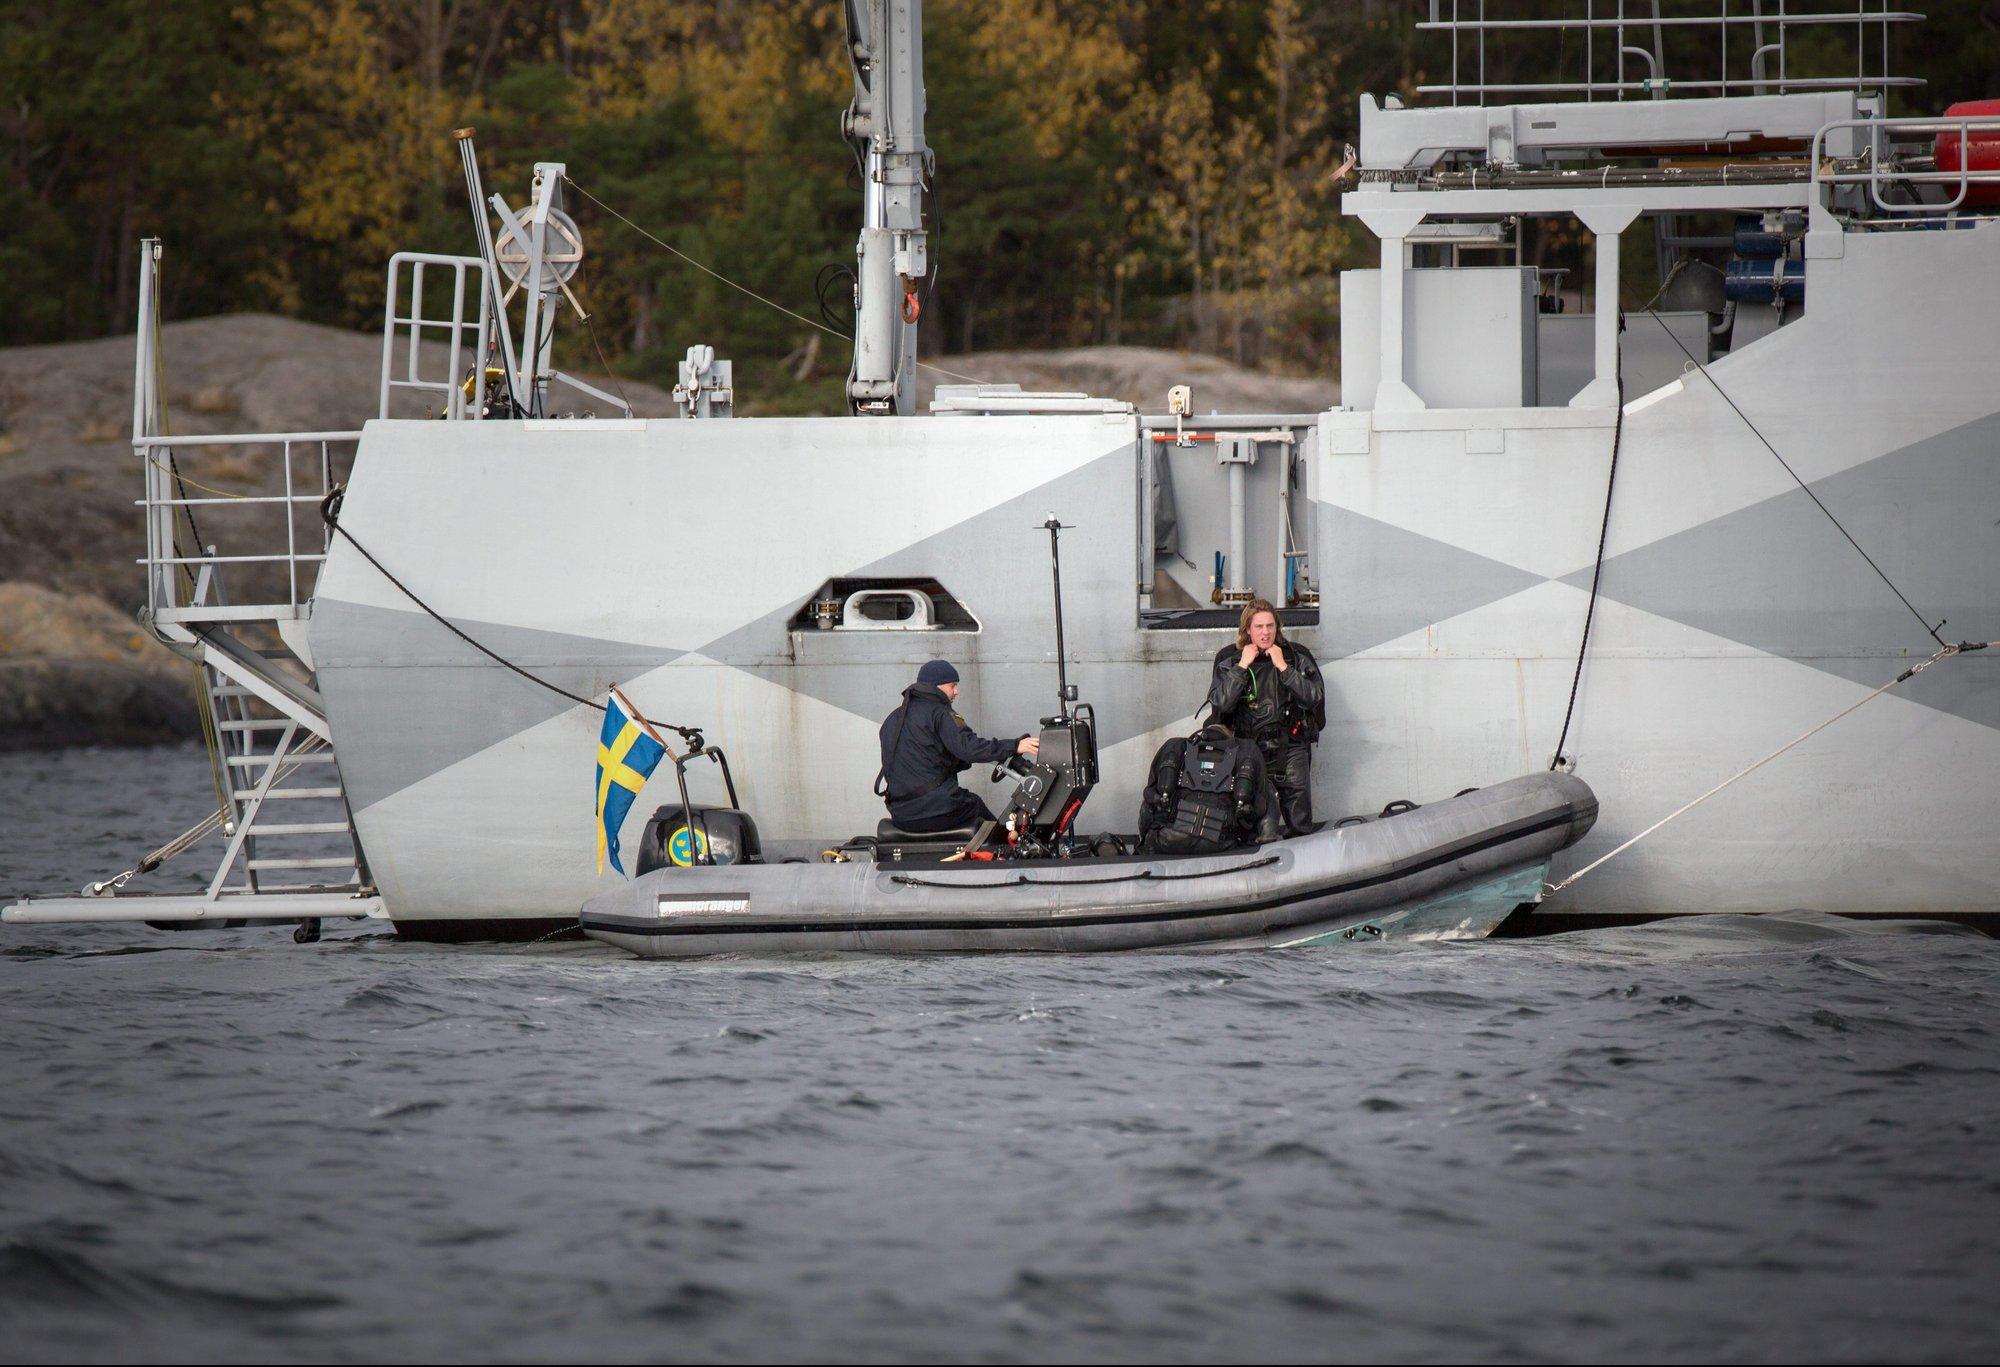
(1762, 282)
(1753, 240)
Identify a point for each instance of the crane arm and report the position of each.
(885, 126)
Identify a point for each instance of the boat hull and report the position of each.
(1390, 878)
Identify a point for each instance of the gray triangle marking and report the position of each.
(1778, 576)
(864, 673)
(1383, 581)
(430, 700)
(1417, 581)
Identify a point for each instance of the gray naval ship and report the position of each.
(1763, 496)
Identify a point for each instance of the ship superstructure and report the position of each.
(1769, 490)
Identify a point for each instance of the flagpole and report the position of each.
(644, 725)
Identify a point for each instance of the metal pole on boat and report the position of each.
(1232, 574)
(483, 232)
(142, 356)
(1063, 694)
(145, 410)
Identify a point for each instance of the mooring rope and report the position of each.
(329, 511)
(1143, 876)
(1558, 759)
(196, 833)
(174, 471)
(1962, 648)
(1922, 621)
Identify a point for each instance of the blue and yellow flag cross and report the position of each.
(628, 750)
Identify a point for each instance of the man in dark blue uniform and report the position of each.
(926, 746)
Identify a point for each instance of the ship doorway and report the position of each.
(1226, 516)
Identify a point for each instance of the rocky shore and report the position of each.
(76, 671)
(76, 667)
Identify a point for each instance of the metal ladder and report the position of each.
(291, 846)
(288, 805)
(285, 804)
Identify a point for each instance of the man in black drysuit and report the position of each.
(926, 746)
(1268, 689)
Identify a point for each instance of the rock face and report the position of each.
(76, 671)
(68, 474)
(74, 665)
(1138, 375)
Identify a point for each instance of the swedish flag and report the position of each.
(628, 750)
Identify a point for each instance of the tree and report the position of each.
(114, 123)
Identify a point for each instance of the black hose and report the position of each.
(830, 275)
(1597, 571)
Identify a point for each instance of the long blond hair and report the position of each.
(1250, 611)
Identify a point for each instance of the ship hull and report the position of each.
(1455, 550)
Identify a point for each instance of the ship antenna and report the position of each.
(1065, 695)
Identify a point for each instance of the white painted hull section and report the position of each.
(664, 556)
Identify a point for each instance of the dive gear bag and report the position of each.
(1203, 795)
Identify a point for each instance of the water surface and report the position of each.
(1753, 1139)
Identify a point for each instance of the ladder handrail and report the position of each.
(164, 494)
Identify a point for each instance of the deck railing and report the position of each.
(183, 564)
(1878, 163)
(1627, 46)
(461, 395)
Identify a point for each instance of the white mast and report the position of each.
(885, 124)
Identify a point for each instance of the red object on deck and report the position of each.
(1980, 150)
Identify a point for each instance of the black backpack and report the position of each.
(1201, 794)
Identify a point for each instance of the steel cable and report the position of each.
(329, 511)
(745, 289)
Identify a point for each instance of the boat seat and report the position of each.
(887, 829)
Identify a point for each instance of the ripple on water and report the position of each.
(689, 1301)
(44, 1279)
(1685, 1139)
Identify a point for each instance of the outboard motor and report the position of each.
(683, 835)
(686, 836)
(1054, 784)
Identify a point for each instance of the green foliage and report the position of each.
(1150, 171)
(116, 127)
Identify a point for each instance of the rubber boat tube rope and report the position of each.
(1962, 648)
(329, 512)
(1143, 876)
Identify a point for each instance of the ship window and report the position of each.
(876, 603)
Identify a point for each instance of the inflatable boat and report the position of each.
(1028, 883)
(1448, 870)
